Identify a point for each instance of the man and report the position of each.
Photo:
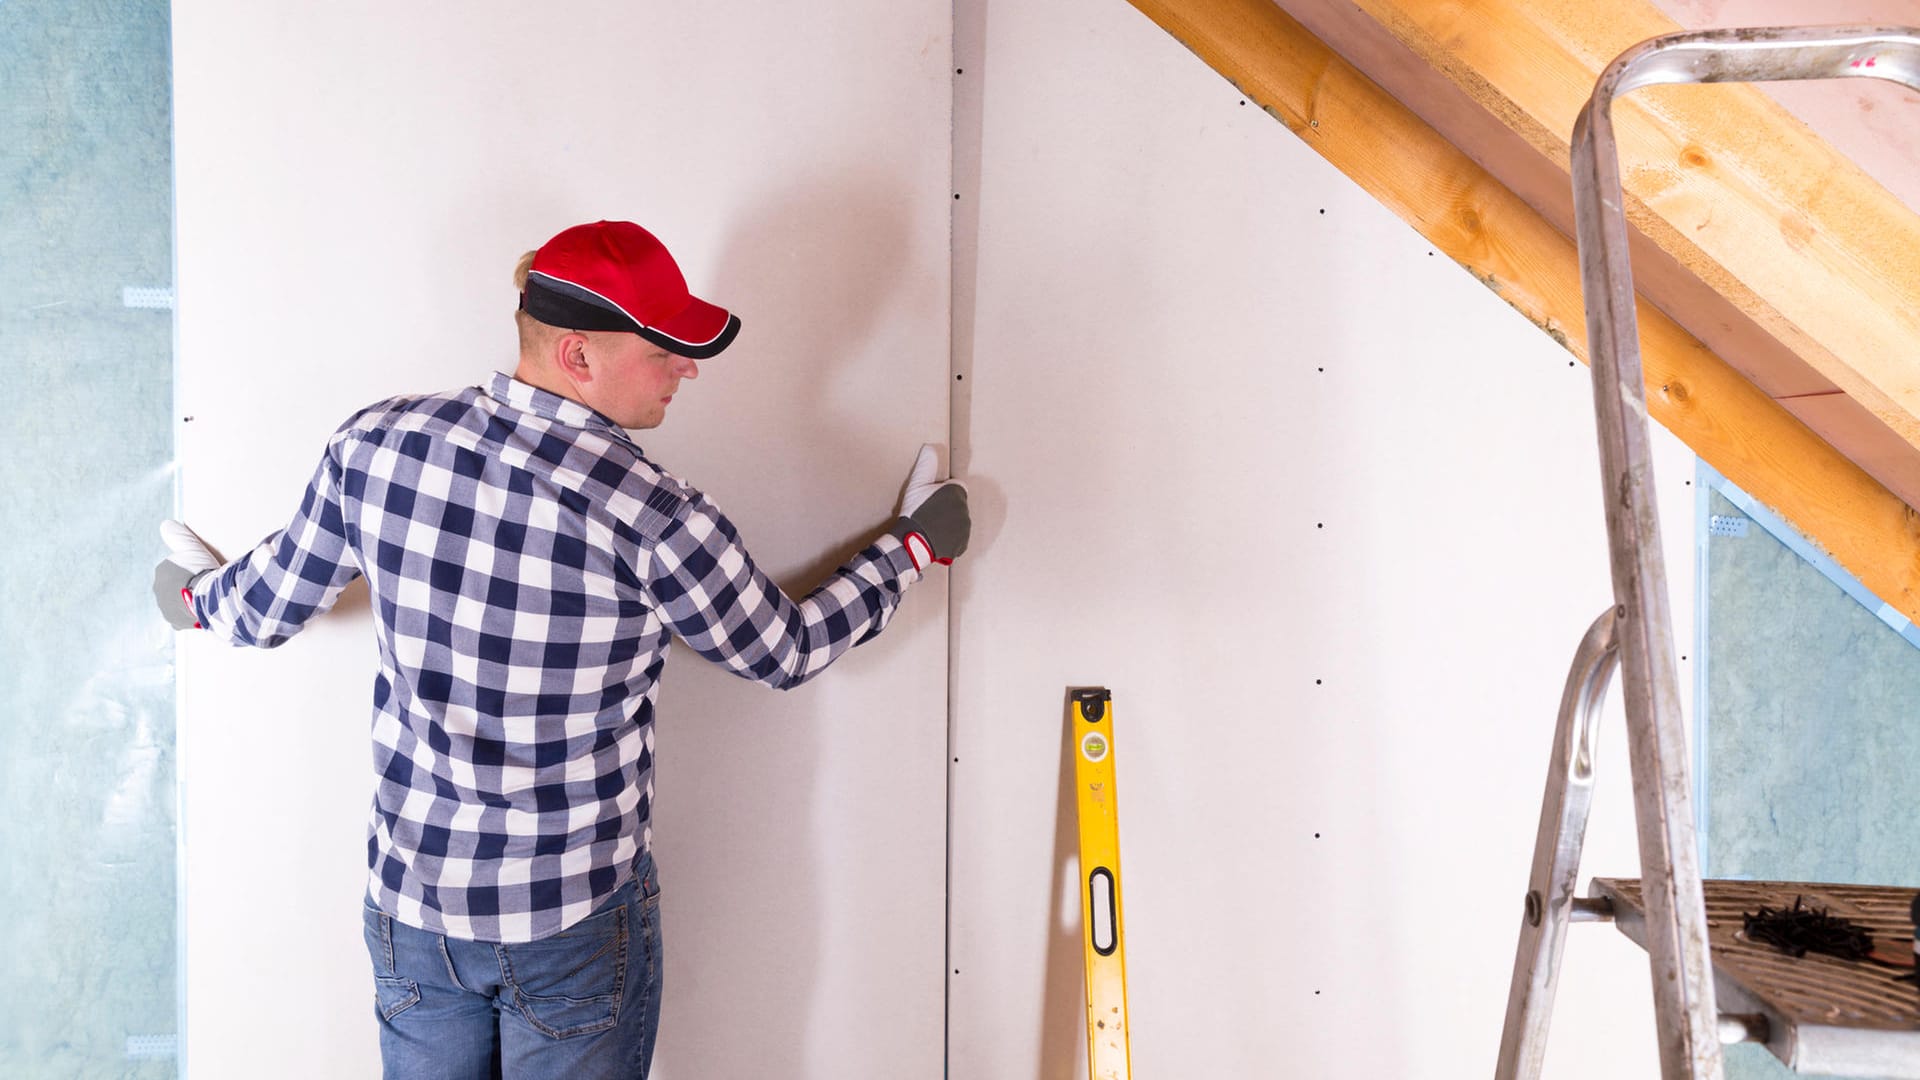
(528, 567)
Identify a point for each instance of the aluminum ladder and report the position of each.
(1817, 1014)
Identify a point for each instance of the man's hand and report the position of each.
(934, 522)
(173, 579)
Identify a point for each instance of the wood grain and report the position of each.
(1472, 216)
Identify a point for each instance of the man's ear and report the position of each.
(569, 356)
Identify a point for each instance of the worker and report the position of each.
(529, 566)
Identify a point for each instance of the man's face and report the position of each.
(634, 380)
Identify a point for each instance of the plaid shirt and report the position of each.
(528, 567)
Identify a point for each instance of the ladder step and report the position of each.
(1822, 1015)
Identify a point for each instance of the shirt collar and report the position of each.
(529, 398)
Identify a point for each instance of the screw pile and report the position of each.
(1801, 929)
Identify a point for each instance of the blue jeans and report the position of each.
(582, 1004)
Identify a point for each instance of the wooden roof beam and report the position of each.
(1521, 250)
(1765, 242)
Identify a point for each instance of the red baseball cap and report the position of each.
(614, 275)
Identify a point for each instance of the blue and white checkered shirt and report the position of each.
(529, 568)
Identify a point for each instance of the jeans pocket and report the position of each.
(393, 995)
(572, 983)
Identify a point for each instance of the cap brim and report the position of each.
(699, 331)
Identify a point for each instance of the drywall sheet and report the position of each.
(1325, 515)
(1810, 737)
(87, 940)
(356, 181)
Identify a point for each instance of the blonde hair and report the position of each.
(534, 334)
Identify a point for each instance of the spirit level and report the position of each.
(1102, 933)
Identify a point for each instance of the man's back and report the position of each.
(499, 532)
(528, 569)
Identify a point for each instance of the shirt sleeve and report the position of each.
(706, 587)
(267, 595)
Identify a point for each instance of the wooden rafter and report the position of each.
(1758, 237)
(1526, 258)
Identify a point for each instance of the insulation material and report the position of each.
(1810, 746)
(87, 912)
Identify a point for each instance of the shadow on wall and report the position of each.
(819, 272)
(1063, 1017)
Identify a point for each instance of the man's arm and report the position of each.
(267, 595)
(707, 588)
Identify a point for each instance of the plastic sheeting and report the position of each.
(87, 910)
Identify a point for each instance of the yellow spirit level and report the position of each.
(1107, 1034)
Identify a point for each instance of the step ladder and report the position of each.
(1710, 985)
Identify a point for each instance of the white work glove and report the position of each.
(187, 560)
(934, 522)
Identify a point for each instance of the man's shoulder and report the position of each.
(643, 495)
(648, 473)
(414, 410)
(647, 481)
(427, 417)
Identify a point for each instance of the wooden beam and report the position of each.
(1773, 248)
(1524, 258)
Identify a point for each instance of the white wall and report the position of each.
(1325, 515)
(355, 182)
(1171, 498)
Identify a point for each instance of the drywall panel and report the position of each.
(87, 943)
(1325, 515)
(355, 183)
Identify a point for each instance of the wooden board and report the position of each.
(1519, 253)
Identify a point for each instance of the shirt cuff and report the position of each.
(191, 594)
(893, 549)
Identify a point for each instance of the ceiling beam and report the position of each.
(1758, 237)
(1525, 257)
